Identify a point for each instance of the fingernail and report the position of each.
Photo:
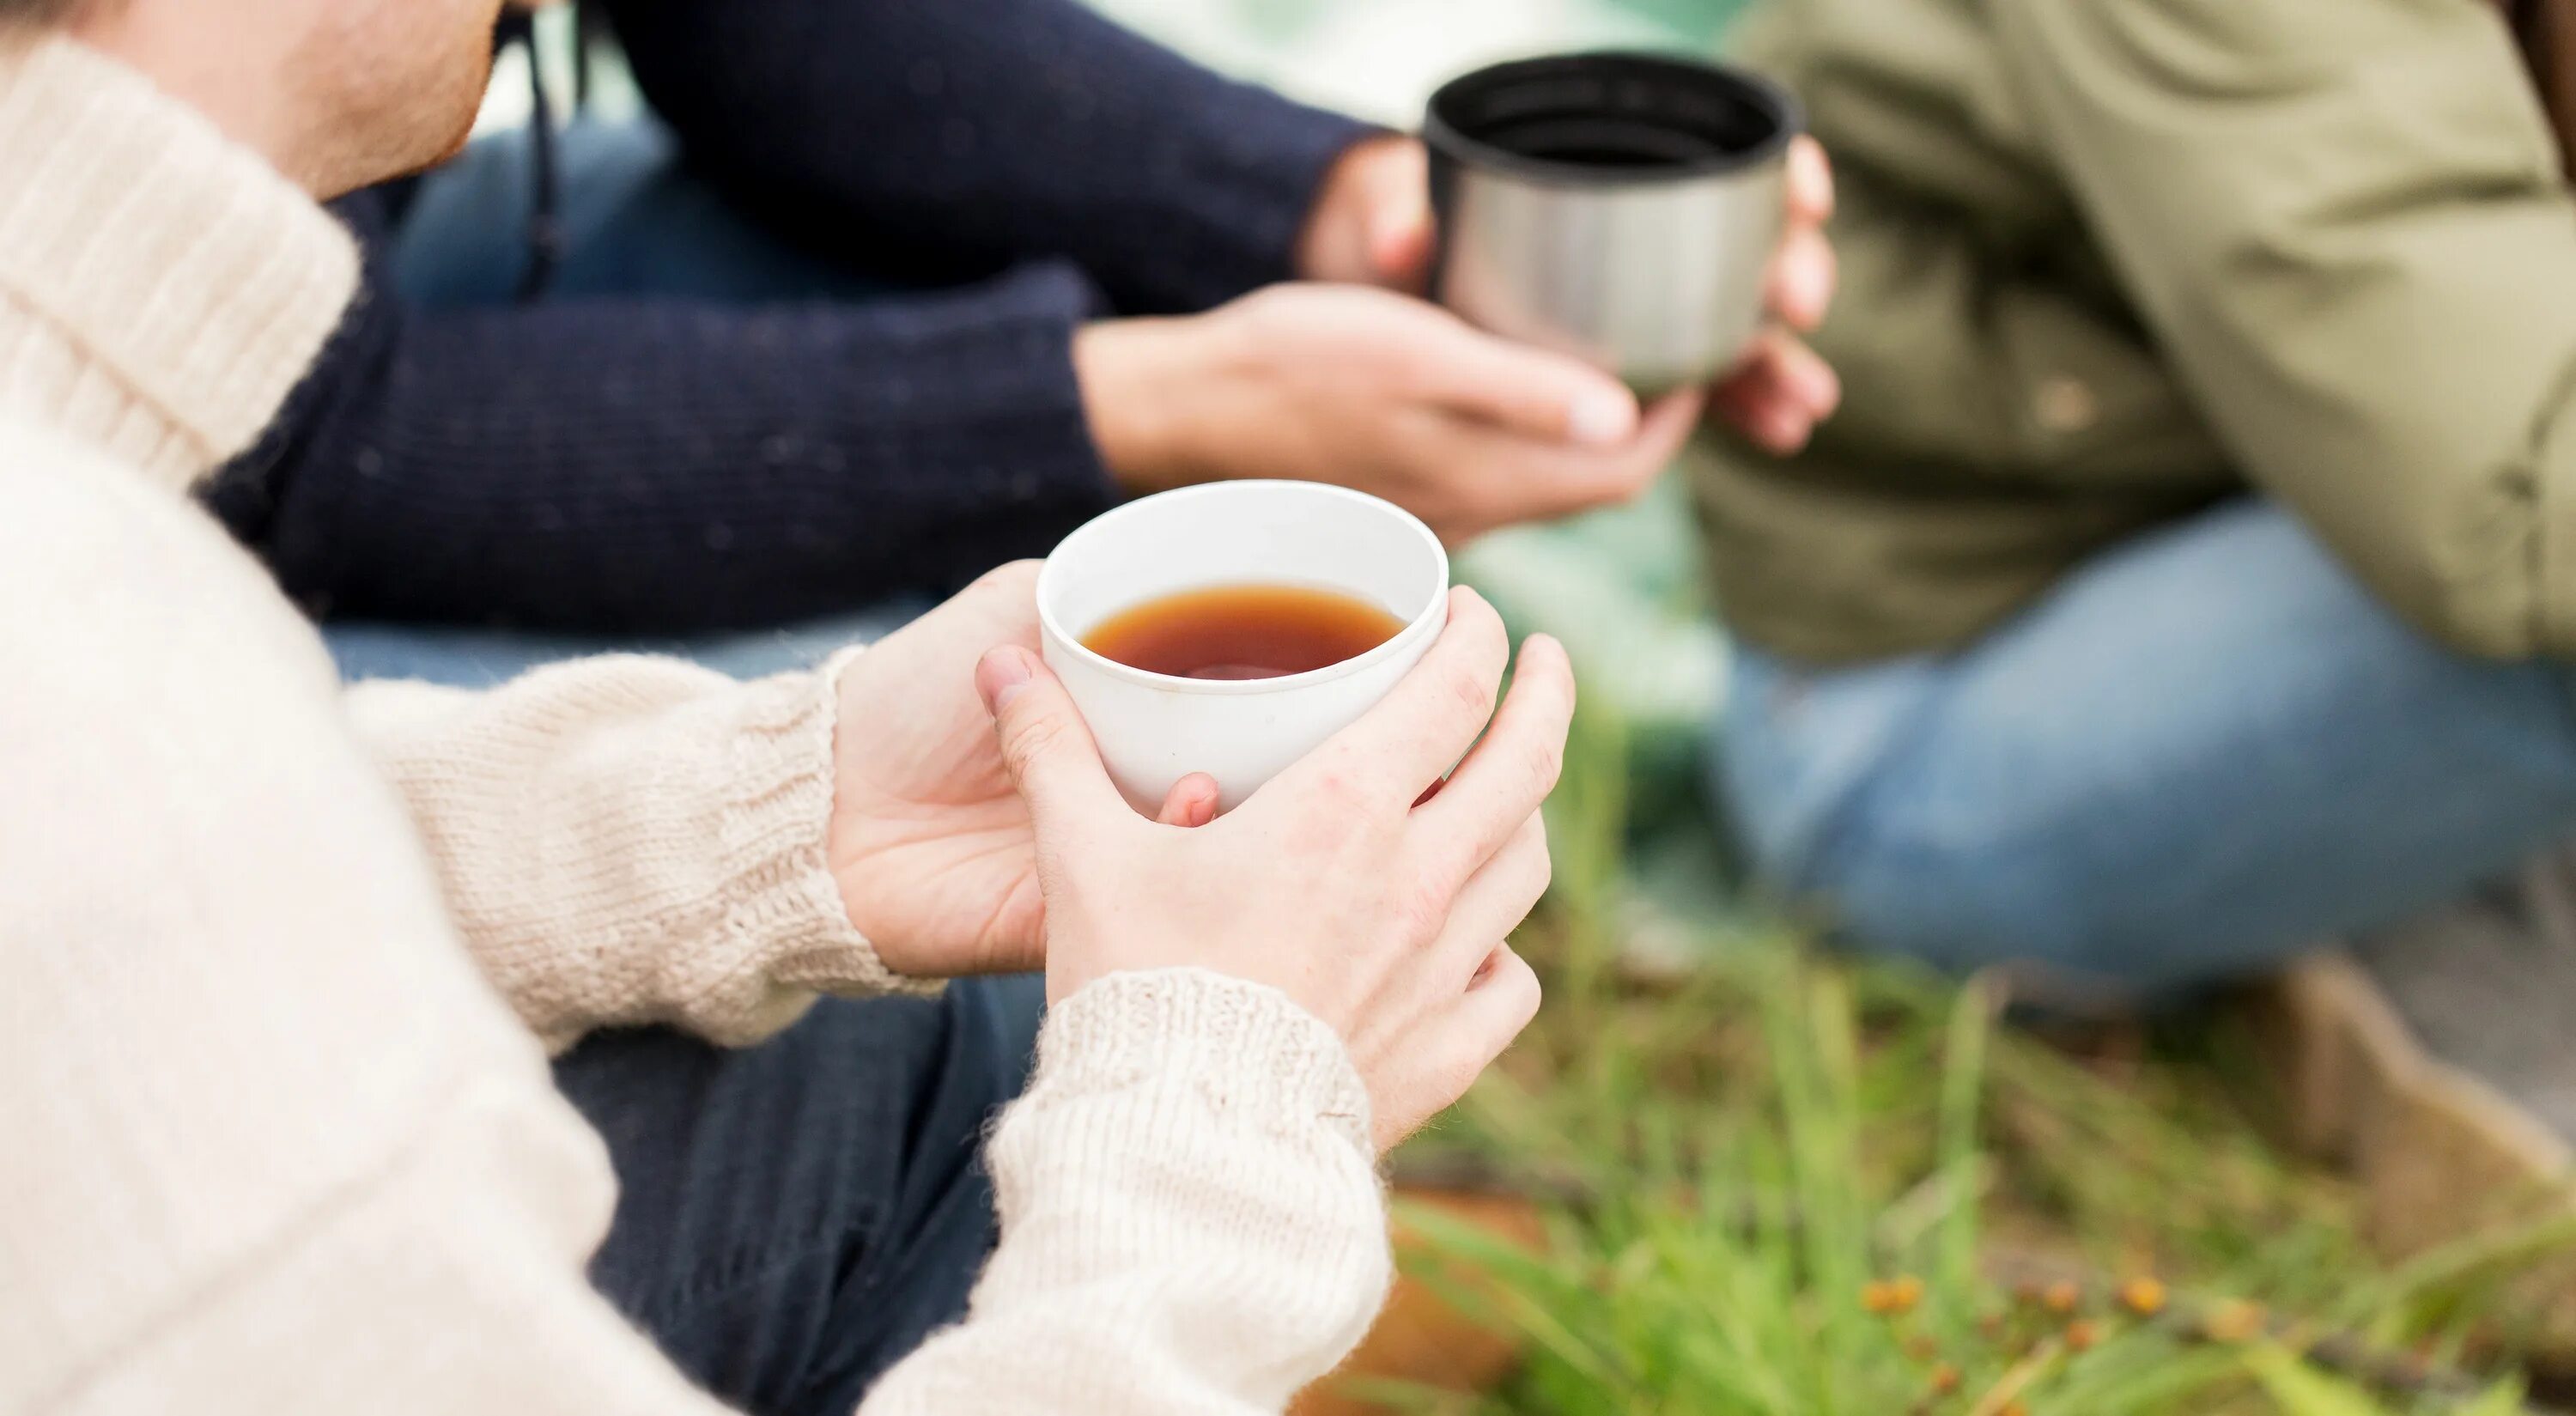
(1602, 417)
(1004, 675)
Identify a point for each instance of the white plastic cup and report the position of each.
(1154, 729)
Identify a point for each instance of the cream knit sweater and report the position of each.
(271, 1136)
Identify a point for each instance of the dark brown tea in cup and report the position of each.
(1242, 632)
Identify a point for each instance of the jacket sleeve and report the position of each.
(973, 133)
(2346, 224)
(662, 465)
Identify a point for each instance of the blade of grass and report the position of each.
(1962, 1085)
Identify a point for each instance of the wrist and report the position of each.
(1275, 1064)
(1141, 381)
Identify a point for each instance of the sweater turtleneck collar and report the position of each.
(162, 288)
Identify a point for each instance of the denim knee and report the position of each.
(1961, 903)
(1003, 1015)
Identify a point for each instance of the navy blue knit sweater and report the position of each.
(669, 465)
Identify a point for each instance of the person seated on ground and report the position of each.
(903, 290)
(276, 1140)
(2186, 579)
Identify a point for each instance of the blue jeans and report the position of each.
(794, 1218)
(635, 222)
(2206, 750)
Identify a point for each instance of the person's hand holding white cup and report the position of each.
(1382, 909)
(1155, 728)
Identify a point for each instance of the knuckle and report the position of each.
(1033, 742)
(1010, 579)
(1543, 764)
(1410, 372)
(1334, 818)
(1349, 786)
(1266, 307)
(1469, 691)
(1425, 910)
(1339, 787)
(1271, 322)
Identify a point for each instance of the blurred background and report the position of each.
(1728, 1174)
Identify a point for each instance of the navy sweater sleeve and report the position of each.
(657, 465)
(988, 131)
(665, 465)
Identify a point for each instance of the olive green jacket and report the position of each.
(2105, 262)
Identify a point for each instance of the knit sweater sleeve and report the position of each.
(630, 840)
(976, 132)
(665, 465)
(1191, 1221)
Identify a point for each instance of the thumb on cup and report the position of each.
(1046, 746)
(1191, 802)
(1400, 242)
(1399, 227)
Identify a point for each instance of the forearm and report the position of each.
(1191, 1221)
(2355, 244)
(969, 133)
(631, 840)
(661, 467)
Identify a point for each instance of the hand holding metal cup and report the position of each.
(1622, 208)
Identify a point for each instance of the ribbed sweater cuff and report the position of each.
(1191, 1215)
(1252, 180)
(784, 928)
(634, 840)
(1256, 1058)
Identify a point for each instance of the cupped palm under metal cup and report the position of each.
(1154, 729)
(1621, 208)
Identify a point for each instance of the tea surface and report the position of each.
(1242, 632)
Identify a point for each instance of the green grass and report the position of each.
(1791, 1184)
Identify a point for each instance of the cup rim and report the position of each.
(1447, 140)
(1427, 620)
